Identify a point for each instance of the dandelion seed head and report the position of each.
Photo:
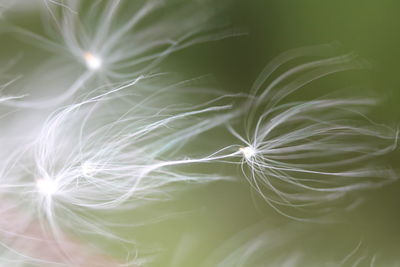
(307, 152)
(46, 187)
(92, 61)
(248, 152)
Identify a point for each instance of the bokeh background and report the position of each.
(190, 229)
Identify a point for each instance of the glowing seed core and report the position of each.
(92, 62)
(46, 187)
(248, 152)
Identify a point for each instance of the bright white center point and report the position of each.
(88, 169)
(248, 152)
(46, 187)
(92, 62)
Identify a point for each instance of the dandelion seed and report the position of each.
(103, 155)
(130, 47)
(115, 45)
(300, 154)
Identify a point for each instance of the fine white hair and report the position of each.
(110, 44)
(301, 154)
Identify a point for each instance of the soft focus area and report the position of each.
(154, 133)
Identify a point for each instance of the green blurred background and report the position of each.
(189, 228)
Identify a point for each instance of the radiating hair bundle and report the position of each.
(98, 129)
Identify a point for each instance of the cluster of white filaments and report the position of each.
(304, 153)
(118, 49)
(100, 142)
(116, 139)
